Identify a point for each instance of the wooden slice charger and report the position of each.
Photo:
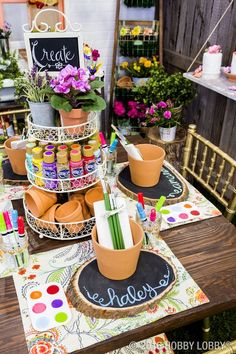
(97, 296)
(171, 185)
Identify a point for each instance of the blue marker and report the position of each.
(143, 218)
(14, 216)
(113, 146)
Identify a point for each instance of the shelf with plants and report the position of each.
(74, 93)
(136, 44)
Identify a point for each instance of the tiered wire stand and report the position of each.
(63, 134)
(55, 230)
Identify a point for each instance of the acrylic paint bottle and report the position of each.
(50, 148)
(29, 157)
(96, 151)
(63, 148)
(89, 163)
(43, 144)
(75, 147)
(50, 170)
(76, 169)
(63, 170)
(37, 161)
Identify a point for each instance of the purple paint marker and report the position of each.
(50, 170)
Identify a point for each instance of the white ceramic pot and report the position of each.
(167, 134)
(140, 81)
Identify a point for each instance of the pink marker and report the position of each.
(153, 215)
(103, 142)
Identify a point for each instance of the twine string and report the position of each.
(217, 24)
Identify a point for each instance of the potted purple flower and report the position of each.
(75, 95)
(161, 115)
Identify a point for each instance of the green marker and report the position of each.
(113, 136)
(160, 203)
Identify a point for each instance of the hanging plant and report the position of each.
(139, 3)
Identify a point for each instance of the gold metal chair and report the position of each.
(13, 116)
(209, 165)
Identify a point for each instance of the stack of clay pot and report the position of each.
(44, 207)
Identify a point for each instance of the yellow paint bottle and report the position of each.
(37, 162)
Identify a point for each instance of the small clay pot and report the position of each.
(16, 157)
(75, 117)
(39, 201)
(118, 264)
(49, 216)
(70, 212)
(146, 173)
(93, 195)
(80, 198)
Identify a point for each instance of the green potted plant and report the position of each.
(9, 70)
(162, 87)
(35, 88)
(161, 115)
(75, 95)
(139, 70)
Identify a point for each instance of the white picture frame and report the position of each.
(53, 57)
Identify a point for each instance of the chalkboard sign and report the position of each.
(99, 296)
(52, 51)
(170, 185)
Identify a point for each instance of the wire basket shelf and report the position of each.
(67, 184)
(59, 231)
(63, 134)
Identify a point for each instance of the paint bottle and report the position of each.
(75, 147)
(50, 170)
(63, 148)
(89, 163)
(63, 170)
(29, 157)
(43, 144)
(76, 169)
(37, 161)
(50, 148)
(96, 151)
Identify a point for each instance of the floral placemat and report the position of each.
(59, 265)
(10, 192)
(208, 210)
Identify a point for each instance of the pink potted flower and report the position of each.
(75, 95)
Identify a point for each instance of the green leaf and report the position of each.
(96, 84)
(58, 102)
(97, 106)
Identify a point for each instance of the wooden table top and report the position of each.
(206, 249)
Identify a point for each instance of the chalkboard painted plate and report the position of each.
(171, 185)
(95, 295)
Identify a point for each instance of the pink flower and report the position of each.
(151, 110)
(154, 120)
(133, 113)
(167, 114)
(61, 89)
(95, 54)
(119, 108)
(161, 104)
(214, 49)
(132, 104)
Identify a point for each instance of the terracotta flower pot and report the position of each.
(50, 217)
(93, 195)
(16, 157)
(39, 201)
(81, 199)
(119, 264)
(70, 212)
(74, 117)
(146, 173)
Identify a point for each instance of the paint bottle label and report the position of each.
(50, 171)
(64, 173)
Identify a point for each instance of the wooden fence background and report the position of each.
(187, 24)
